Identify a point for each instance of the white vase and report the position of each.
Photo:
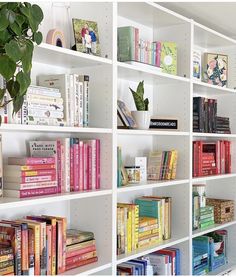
(142, 118)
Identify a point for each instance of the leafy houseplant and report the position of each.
(19, 24)
(141, 116)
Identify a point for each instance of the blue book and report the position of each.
(177, 260)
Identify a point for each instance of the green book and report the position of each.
(207, 224)
(169, 57)
(126, 43)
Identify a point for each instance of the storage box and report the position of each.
(223, 209)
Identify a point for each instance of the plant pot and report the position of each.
(142, 119)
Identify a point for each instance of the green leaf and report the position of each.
(12, 5)
(27, 56)
(140, 89)
(25, 11)
(37, 13)
(5, 36)
(2, 92)
(146, 103)
(3, 4)
(3, 21)
(24, 81)
(13, 50)
(13, 88)
(7, 67)
(16, 29)
(139, 103)
(20, 19)
(17, 103)
(10, 15)
(38, 37)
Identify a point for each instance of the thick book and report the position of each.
(126, 43)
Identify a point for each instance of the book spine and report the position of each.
(98, 174)
(31, 244)
(31, 161)
(37, 167)
(33, 173)
(33, 179)
(80, 263)
(48, 107)
(7, 270)
(64, 221)
(59, 247)
(80, 251)
(136, 56)
(43, 253)
(81, 257)
(90, 169)
(37, 250)
(93, 164)
(158, 54)
(24, 249)
(37, 192)
(136, 226)
(49, 249)
(72, 100)
(43, 99)
(18, 251)
(76, 164)
(86, 101)
(72, 188)
(54, 247)
(33, 120)
(35, 186)
(6, 257)
(85, 161)
(6, 251)
(67, 165)
(59, 167)
(76, 100)
(63, 177)
(81, 166)
(41, 113)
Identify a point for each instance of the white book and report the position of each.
(160, 264)
(52, 92)
(33, 120)
(85, 80)
(36, 98)
(45, 113)
(50, 107)
(24, 186)
(60, 81)
(77, 101)
(71, 98)
(81, 103)
(66, 146)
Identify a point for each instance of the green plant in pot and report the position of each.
(19, 24)
(142, 115)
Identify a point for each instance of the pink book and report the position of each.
(31, 179)
(72, 188)
(59, 165)
(76, 164)
(98, 164)
(80, 251)
(89, 166)
(30, 192)
(136, 55)
(63, 188)
(158, 53)
(81, 165)
(30, 160)
(85, 166)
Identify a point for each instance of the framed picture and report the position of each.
(86, 36)
(216, 69)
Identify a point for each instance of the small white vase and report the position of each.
(142, 119)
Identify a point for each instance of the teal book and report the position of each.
(148, 208)
(126, 43)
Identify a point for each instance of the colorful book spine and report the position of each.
(31, 192)
(76, 164)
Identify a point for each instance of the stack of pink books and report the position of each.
(30, 176)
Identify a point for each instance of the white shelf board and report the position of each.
(151, 184)
(214, 177)
(89, 269)
(223, 270)
(57, 129)
(57, 56)
(201, 232)
(214, 135)
(205, 88)
(151, 132)
(148, 73)
(146, 250)
(207, 38)
(9, 203)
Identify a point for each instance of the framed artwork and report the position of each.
(86, 36)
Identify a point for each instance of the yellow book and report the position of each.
(136, 208)
(174, 166)
(147, 221)
(149, 232)
(118, 212)
(168, 175)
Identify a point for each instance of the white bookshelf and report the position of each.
(169, 96)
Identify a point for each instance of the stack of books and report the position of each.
(80, 248)
(140, 267)
(133, 48)
(206, 217)
(165, 262)
(205, 119)
(162, 165)
(38, 242)
(30, 176)
(148, 231)
(6, 260)
(211, 157)
(41, 106)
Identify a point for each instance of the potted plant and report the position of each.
(19, 24)
(142, 115)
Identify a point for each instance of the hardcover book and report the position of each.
(169, 57)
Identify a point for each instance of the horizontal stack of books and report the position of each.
(210, 252)
(30, 176)
(205, 119)
(38, 243)
(63, 165)
(211, 157)
(133, 48)
(59, 100)
(80, 248)
(143, 224)
(162, 165)
(206, 216)
(6, 260)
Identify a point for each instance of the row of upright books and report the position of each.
(58, 100)
(210, 252)
(144, 223)
(42, 245)
(211, 157)
(205, 119)
(162, 54)
(63, 165)
(165, 262)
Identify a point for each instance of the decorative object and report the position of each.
(86, 36)
(18, 32)
(197, 64)
(133, 173)
(142, 115)
(216, 69)
(56, 37)
(125, 115)
(142, 163)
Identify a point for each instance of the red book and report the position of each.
(76, 164)
(81, 166)
(80, 251)
(81, 257)
(30, 192)
(172, 255)
(80, 263)
(30, 160)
